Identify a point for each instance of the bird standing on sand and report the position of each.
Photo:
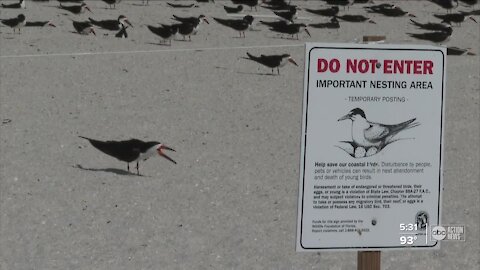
(272, 61)
(83, 28)
(291, 29)
(196, 21)
(15, 23)
(165, 32)
(78, 9)
(112, 25)
(240, 25)
(437, 36)
(443, 26)
(132, 150)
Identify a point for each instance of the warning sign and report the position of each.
(371, 152)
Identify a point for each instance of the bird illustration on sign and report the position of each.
(369, 138)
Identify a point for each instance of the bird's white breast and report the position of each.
(148, 154)
(358, 133)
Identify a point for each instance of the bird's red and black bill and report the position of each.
(161, 153)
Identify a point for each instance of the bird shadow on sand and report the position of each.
(257, 73)
(109, 170)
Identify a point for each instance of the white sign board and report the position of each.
(371, 152)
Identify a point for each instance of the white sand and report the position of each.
(231, 201)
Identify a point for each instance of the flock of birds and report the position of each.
(286, 23)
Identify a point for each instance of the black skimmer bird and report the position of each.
(437, 36)
(15, 23)
(112, 3)
(458, 51)
(236, 9)
(196, 21)
(333, 24)
(185, 29)
(39, 24)
(287, 15)
(454, 17)
(112, 25)
(392, 11)
(446, 4)
(272, 61)
(123, 32)
(291, 29)
(165, 32)
(78, 9)
(251, 3)
(83, 28)
(373, 136)
(180, 5)
(20, 4)
(443, 26)
(240, 25)
(355, 18)
(133, 150)
(332, 11)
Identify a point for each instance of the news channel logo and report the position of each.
(448, 233)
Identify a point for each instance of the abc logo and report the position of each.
(439, 233)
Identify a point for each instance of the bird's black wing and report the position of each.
(10, 22)
(126, 151)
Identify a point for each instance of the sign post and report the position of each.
(371, 148)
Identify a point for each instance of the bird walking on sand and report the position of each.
(112, 25)
(166, 32)
(83, 28)
(132, 150)
(272, 61)
(241, 25)
(76, 9)
(15, 23)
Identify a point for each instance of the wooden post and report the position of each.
(368, 260)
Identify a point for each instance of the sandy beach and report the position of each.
(231, 201)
